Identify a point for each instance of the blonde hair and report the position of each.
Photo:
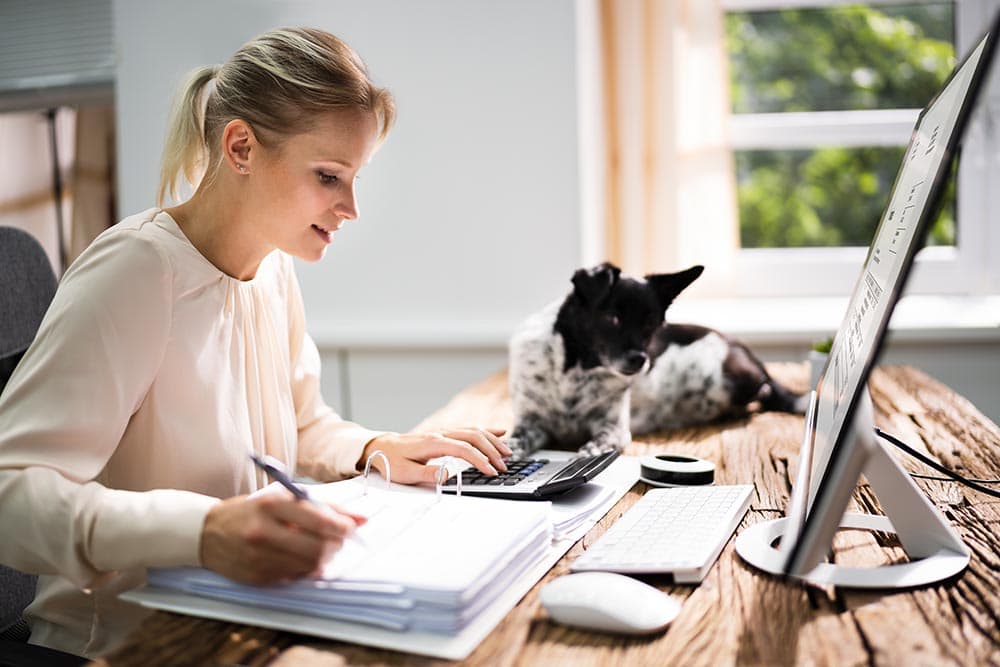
(278, 83)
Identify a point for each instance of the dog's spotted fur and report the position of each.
(562, 407)
(589, 370)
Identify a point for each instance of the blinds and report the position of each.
(55, 53)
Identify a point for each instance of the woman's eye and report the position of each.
(325, 178)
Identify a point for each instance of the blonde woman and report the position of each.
(176, 345)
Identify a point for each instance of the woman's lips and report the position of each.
(325, 234)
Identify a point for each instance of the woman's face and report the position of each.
(304, 188)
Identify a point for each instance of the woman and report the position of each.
(176, 346)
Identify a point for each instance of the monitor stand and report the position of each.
(936, 552)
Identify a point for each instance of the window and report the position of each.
(824, 96)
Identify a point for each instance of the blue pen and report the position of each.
(276, 471)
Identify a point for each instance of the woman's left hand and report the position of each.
(408, 453)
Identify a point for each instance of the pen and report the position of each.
(276, 471)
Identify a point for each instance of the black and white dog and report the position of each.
(603, 363)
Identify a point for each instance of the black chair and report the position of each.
(27, 284)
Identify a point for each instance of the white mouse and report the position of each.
(608, 602)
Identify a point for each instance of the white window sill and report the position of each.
(806, 320)
(788, 321)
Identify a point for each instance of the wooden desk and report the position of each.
(737, 615)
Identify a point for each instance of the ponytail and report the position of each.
(185, 152)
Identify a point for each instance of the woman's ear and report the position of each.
(238, 145)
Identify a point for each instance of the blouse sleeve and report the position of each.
(329, 447)
(64, 411)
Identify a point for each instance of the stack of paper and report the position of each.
(422, 562)
(578, 506)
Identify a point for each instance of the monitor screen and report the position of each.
(914, 201)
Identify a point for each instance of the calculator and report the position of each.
(532, 479)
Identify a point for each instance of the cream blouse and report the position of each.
(152, 377)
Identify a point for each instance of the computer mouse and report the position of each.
(608, 602)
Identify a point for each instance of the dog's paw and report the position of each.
(595, 448)
(518, 449)
(526, 439)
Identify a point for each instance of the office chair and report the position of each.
(27, 284)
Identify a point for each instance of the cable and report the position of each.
(952, 475)
(939, 478)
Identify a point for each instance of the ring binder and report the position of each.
(368, 467)
(435, 579)
(442, 477)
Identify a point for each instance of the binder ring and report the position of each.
(442, 477)
(368, 467)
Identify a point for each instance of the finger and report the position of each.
(445, 446)
(322, 522)
(494, 437)
(359, 519)
(492, 431)
(279, 552)
(302, 551)
(430, 473)
(415, 472)
(478, 439)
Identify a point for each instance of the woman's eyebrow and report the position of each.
(342, 163)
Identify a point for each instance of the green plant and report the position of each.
(823, 346)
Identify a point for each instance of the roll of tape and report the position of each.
(675, 470)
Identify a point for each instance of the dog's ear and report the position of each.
(669, 285)
(593, 284)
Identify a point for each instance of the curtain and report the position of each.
(671, 191)
(93, 177)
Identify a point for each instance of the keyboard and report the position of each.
(678, 531)
(532, 479)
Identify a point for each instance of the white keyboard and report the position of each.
(679, 530)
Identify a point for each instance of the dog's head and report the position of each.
(609, 319)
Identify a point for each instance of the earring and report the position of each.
(243, 168)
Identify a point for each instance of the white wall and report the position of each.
(474, 213)
(470, 213)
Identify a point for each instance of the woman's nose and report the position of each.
(347, 208)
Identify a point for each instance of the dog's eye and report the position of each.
(612, 320)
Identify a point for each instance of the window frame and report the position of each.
(970, 267)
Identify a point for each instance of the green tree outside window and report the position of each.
(831, 59)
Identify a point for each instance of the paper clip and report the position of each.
(368, 467)
(442, 477)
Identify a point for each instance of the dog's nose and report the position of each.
(634, 362)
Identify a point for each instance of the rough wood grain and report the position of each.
(737, 615)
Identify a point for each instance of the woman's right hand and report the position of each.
(271, 538)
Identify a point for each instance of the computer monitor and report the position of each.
(839, 442)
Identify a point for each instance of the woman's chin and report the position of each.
(310, 255)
